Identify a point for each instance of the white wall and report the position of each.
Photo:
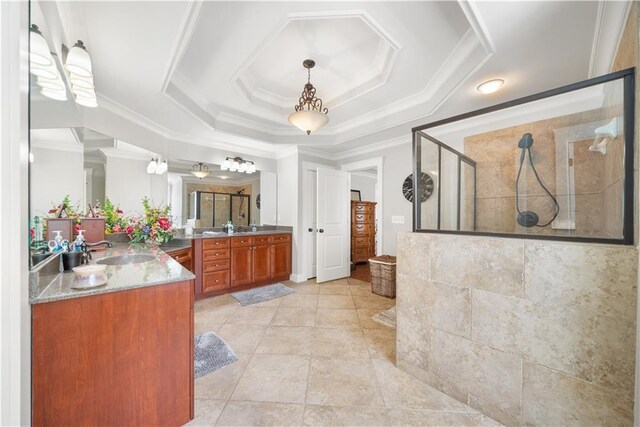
(15, 312)
(127, 182)
(268, 198)
(287, 212)
(397, 165)
(366, 185)
(54, 174)
(175, 198)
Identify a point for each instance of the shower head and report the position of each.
(526, 141)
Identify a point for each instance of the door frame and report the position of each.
(377, 163)
(307, 213)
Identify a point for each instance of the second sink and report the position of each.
(125, 259)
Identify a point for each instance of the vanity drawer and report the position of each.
(215, 265)
(281, 238)
(215, 281)
(213, 254)
(241, 241)
(261, 240)
(215, 243)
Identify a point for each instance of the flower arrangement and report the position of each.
(153, 226)
(72, 211)
(115, 222)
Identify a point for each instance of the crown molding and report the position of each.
(58, 146)
(117, 153)
(611, 20)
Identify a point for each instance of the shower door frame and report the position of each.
(213, 202)
(628, 78)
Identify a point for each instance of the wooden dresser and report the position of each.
(363, 231)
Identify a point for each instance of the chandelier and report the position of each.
(238, 164)
(200, 170)
(309, 115)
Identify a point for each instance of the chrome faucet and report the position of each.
(101, 242)
(86, 249)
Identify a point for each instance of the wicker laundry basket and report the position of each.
(383, 275)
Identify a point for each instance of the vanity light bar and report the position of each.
(238, 164)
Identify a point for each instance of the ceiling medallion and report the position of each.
(310, 115)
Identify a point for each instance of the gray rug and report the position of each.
(266, 293)
(386, 318)
(211, 353)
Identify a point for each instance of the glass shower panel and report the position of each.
(427, 185)
(467, 196)
(223, 209)
(240, 206)
(206, 209)
(449, 190)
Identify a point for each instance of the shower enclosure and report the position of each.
(555, 165)
(214, 209)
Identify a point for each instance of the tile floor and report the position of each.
(315, 358)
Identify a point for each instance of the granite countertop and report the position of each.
(161, 270)
(176, 242)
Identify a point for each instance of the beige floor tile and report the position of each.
(261, 414)
(381, 343)
(373, 302)
(339, 343)
(401, 390)
(334, 289)
(361, 291)
(201, 328)
(216, 314)
(412, 417)
(305, 288)
(220, 384)
(344, 416)
(345, 382)
(298, 300)
(241, 338)
(269, 303)
(285, 316)
(290, 340)
(250, 315)
(274, 378)
(337, 318)
(335, 301)
(207, 412)
(356, 282)
(365, 315)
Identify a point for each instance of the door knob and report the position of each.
(311, 230)
(321, 231)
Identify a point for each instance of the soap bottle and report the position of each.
(58, 239)
(229, 227)
(253, 228)
(77, 245)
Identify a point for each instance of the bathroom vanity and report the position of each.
(120, 354)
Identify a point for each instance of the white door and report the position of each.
(333, 236)
(311, 225)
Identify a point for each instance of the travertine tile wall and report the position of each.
(527, 332)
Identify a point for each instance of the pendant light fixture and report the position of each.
(78, 64)
(152, 167)
(238, 164)
(309, 115)
(43, 66)
(155, 167)
(200, 170)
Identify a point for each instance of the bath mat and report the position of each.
(386, 318)
(211, 353)
(266, 293)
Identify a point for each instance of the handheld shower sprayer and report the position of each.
(530, 218)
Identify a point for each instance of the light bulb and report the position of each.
(152, 166)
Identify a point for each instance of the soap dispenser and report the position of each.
(229, 227)
(77, 245)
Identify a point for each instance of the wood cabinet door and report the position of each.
(261, 263)
(241, 265)
(281, 260)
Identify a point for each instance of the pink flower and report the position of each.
(53, 210)
(120, 211)
(129, 229)
(117, 228)
(164, 223)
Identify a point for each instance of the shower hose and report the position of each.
(555, 202)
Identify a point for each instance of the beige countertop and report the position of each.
(162, 269)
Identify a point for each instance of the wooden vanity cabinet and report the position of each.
(182, 256)
(240, 262)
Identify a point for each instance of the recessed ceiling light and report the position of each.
(490, 86)
(223, 177)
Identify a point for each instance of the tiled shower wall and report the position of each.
(527, 332)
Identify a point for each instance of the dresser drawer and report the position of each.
(261, 240)
(215, 281)
(281, 238)
(360, 241)
(216, 265)
(362, 218)
(215, 243)
(213, 254)
(241, 241)
(363, 229)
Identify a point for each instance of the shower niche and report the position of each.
(554, 165)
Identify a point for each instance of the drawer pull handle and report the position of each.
(216, 281)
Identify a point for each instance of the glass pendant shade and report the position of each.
(81, 82)
(78, 61)
(50, 84)
(39, 53)
(45, 72)
(251, 168)
(308, 120)
(162, 168)
(242, 167)
(200, 170)
(226, 165)
(234, 166)
(152, 166)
